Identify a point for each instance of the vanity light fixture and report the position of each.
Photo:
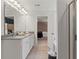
(17, 6)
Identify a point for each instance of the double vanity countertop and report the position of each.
(17, 37)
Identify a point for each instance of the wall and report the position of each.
(31, 22)
(19, 23)
(25, 23)
(52, 32)
(62, 17)
(2, 17)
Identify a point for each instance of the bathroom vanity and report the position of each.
(17, 47)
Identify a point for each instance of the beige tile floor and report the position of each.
(39, 51)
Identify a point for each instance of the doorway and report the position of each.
(40, 50)
(42, 26)
(42, 37)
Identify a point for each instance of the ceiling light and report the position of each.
(18, 5)
(11, 4)
(24, 11)
(15, 5)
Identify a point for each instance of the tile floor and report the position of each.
(40, 51)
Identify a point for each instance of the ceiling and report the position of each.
(38, 5)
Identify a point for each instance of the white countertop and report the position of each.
(16, 37)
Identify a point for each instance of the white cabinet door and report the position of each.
(32, 40)
(25, 47)
(27, 44)
(11, 49)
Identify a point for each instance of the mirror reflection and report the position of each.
(14, 19)
(9, 25)
(29, 30)
(9, 19)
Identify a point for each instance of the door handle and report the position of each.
(75, 37)
(52, 33)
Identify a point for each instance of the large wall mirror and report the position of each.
(13, 20)
(9, 25)
(8, 19)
